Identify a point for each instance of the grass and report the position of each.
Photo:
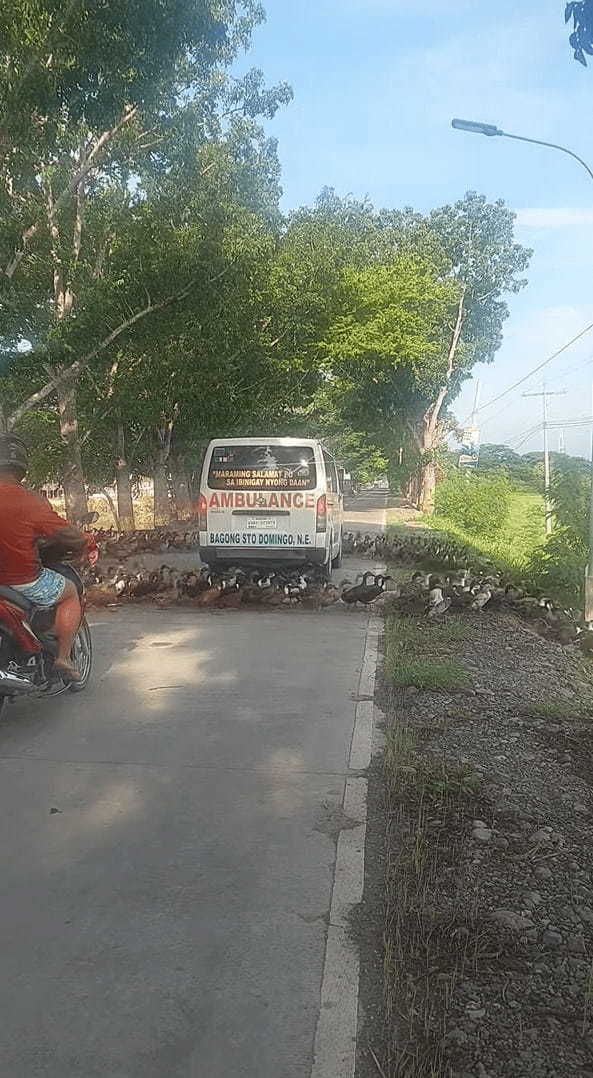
(561, 709)
(143, 514)
(416, 655)
(430, 676)
(519, 537)
(551, 709)
(430, 945)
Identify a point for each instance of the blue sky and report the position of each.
(376, 85)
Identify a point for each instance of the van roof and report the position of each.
(265, 440)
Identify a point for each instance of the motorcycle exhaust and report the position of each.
(14, 684)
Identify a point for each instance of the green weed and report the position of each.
(430, 676)
(414, 655)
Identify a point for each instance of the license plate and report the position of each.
(263, 524)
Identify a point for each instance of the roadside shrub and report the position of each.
(569, 494)
(558, 567)
(479, 505)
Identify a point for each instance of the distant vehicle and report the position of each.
(270, 500)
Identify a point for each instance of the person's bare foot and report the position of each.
(67, 671)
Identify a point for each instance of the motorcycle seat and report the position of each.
(16, 598)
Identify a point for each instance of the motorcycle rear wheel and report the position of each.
(82, 656)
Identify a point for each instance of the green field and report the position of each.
(519, 536)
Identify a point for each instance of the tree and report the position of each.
(110, 94)
(581, 38)
(477, 238)
(503, 459)
(384, 348)
(104, 94)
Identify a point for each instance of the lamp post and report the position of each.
(491, 131)
(476, 128)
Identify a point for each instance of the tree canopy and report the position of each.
(580, 12)
(153, 295)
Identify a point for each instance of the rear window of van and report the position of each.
(262, 467)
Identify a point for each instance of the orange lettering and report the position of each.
(297, 501)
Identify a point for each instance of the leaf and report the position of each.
(568, 11)
(580, 57)
(573, 40)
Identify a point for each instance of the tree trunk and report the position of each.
(125, 505)
(162, 505)
(162, 502)
(426, 480)
(431, 434)
(412, 490)
(182, 489)
(112, 509)
(427, 485)
(74, 488)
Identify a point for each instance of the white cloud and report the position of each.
(554, 218)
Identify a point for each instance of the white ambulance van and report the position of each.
(266, 500)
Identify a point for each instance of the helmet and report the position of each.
(13, 454)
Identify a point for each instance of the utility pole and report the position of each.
(545, 393)
(589, 568)
(491, 130)
(561, 445)
(476, 403)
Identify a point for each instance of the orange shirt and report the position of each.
(24, 519)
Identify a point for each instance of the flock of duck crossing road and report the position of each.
(451, 591)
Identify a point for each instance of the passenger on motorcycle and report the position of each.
(25, 519)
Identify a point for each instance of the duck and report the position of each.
(249, 585)
(294, 589)
(438, 604)
(363, 593)
(208, 597)
(230, 599)
(387, 603)
(102, 595)
(585, 640)
(140, 584)
(482, 595)
(170, 594)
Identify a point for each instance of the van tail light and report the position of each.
(321, 525)
(203, 514)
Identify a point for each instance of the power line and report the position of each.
(535, 370)
(527, 437)
(571, 370)
(567, 424)
(522, 437)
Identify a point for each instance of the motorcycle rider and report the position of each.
(25, 518)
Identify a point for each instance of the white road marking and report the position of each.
(335, 1038)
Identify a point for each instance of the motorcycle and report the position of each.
(28, 645)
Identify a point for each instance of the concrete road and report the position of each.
(367, 511)
(168, 847)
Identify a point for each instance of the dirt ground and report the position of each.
(476, 929)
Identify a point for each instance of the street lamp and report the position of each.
(491, 130)
(476, 128)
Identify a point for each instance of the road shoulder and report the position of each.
(336, 1035)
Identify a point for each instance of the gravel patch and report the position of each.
(489, 821)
